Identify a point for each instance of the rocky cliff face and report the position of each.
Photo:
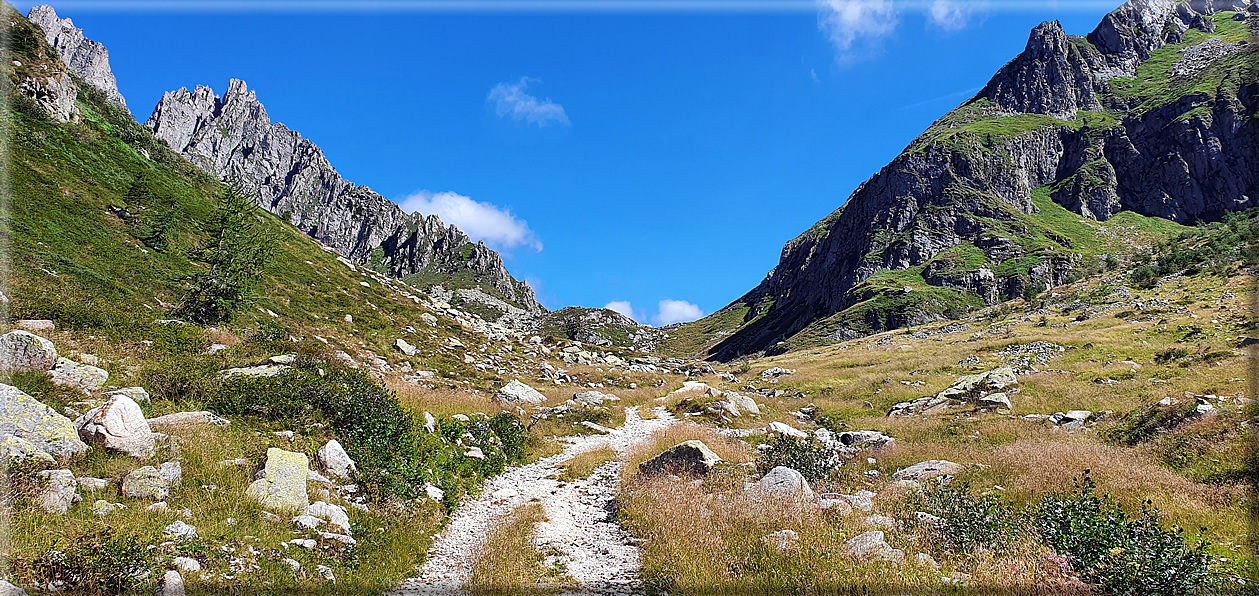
(232, 137)
(1093, 120)
(86, 58)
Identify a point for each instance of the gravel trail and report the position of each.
(596, 551)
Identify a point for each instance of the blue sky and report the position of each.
(614, 156)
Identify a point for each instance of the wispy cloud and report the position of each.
(528, 6)
(856, 27)
(513, 100)
(954, 15)
(479, 220)
(676, 311)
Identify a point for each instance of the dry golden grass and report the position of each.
(510, 563)
(440, 402)
(581, 465)
(730, 450)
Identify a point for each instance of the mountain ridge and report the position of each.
(1100, 123)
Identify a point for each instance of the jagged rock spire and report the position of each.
(87, 58)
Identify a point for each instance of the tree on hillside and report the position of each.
(238, 248)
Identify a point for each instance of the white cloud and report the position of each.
(676, 311)
(849, 23)
(480, 221)
(622, 306)
(511, 99)
(949, 15)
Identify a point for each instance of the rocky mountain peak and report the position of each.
(1051, 76)
(87, 58)
(233, 138)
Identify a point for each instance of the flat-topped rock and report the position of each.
(118, 425)
(517, 392)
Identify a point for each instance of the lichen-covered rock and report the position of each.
(60, 492)
(118, 425)
(25, 417)
(137, 394)
(689, 458)
(283, 485)
(86, 377)
(23, 351)
(335, 461)
(16, 449)
(333, 514)
(146, 483)
(516, 392)
(786, 482)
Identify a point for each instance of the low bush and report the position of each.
(811, 458)
(968, 520)
(395, 455)
(98, 562)
(1118, 554)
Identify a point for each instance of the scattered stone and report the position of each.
(187, 564)
(85, 377)
(137, 394)
(25, 417)
(103, 507)
(283, 359)
(866, 438)
(307, 522)
(517, 392)
(60, 493)
(787, 482)
(871, 545)
(181, 531)
(146, 483)
(92, 484)
(306, 543)
(926, 560)
(689, 458)
(36, 325)
(172, 472)
(23, 351)
(999, 401)
(172, 584)
(334, 460)
(119, 425)
(430, 423)
(881, 521)
(179, 419)
(294, 566)
(8, 589)
(927, 470)
(831, 501)
(434, 492)
(782, 540)
(862, 499)
(402, 346)
(158, 507)
(283, 485)
(474, 452)
(776, 372)
(333, 514)
(784, 429)
(261, 370)
(324, 570)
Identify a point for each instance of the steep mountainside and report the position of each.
(1152, 114)
(232, 137)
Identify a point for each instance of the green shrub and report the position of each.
(1121, 555)
(98, 562)
(968, 520)
(395, 455)
(811, 458)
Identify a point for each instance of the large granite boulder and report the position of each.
(118, 425)
(25, 417)
(689, 458)
(23, 351)
(516, 392)
(283, 484)
(786, 482)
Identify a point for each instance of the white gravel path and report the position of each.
(597, 552)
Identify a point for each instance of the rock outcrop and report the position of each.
(1062, 115)
(283, 482)
(87, 58)
(232, 137)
